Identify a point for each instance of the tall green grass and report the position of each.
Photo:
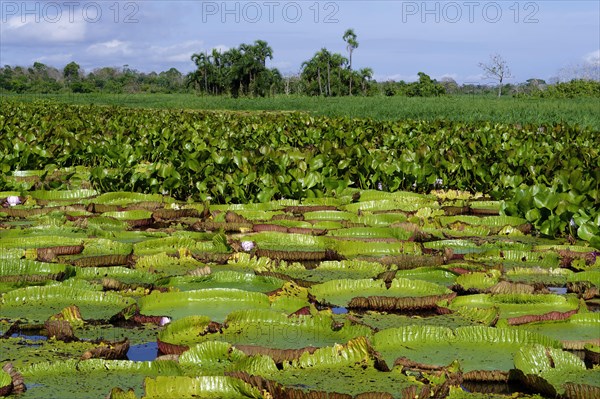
(581, 111)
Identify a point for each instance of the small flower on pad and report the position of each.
(13, 200)
(247, 246)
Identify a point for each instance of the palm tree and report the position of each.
(263, 51)
(202, 61)
(351, 44)
(366, 74)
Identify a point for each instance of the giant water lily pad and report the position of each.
(548, 276)
(556, 372)
(436, 275)
(225, 279)
(352, 248)
(126, 198)
(264, 331)
(23, 352)
(171, 245)
(215, 303)
(39, 241)
(39, 303)
(65, 195)
(288, 242)
(403, 293)
(169, 264)
(383, 320)
(327, 270)
(207, 387)
(513, 306)
(345, 369)
(211, 357)
(91, 378)
(476, 348)
(372, 233)
(120, 273)
(22, 270)
(573, 332)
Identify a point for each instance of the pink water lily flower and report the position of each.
(13, 200)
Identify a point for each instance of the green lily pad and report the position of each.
(267, 331)
(288, 242)
(66, 195)
(516, 305)
(351, 248)
(225, 279)
(23, 352)
(327, 270)
(529, 275)
(573, 332)
(120, 273)
(39, 241)
(478, 280)
(372, 232)
(382, 320)
(475, 347)
(217, 387)
(562, 372)
(39, 303)
(167, 264)
(126, 198)
(211, 357)
(95, 377)
(434, 275)
(342, 292)
(129, 215)
(344, 369)
(216, 303)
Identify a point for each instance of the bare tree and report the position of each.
(496, 69)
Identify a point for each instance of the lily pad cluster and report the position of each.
(361, 294)
(547, 174)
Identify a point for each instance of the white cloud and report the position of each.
(221, 48)
(478, 78)
(281, 65)
(593, 57)
(110, 48)
(27, 31)
(397, 77)
(56, 59)
(452, 76)
(180, 52)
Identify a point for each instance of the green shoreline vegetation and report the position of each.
(465, 108)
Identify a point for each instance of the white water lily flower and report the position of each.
(247, 246)
(164, 320)
(13, 200)
(438, 183)
(380, 186)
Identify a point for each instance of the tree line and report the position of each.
(243, 71)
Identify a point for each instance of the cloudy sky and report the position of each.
(396, 39)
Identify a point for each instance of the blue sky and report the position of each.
(397, 39)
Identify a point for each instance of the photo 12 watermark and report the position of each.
(69, 11)
(270, 12)
(470, 11)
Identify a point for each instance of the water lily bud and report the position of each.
(247, 246)
(164, 320)
(13, 200)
